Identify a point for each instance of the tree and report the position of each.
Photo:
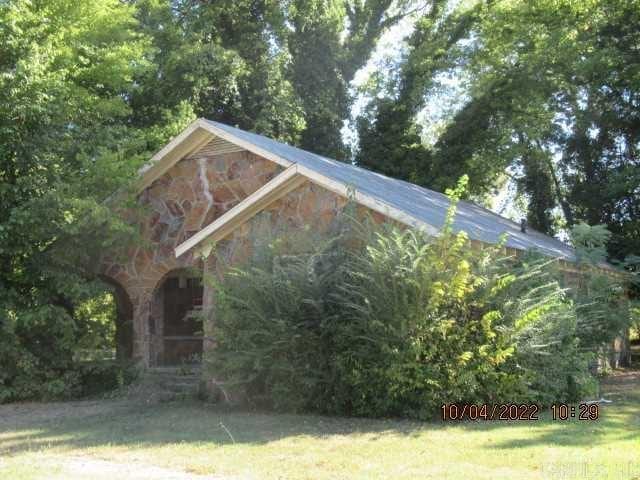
(390, 138)
(279, 68)
(552, 94)
(67, 70)
(224, 60)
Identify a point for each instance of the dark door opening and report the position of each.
(182, 329)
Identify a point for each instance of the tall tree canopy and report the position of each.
(281, 68)
(553, 90)
(550, 96)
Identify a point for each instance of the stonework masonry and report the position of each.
(189, 196)
(192, 194)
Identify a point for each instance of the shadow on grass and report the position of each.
(123, 423)
(118, 423)
(618, 420)
(616, 423)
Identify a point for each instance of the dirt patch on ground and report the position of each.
(94, 469)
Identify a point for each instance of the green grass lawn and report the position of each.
(121, 439)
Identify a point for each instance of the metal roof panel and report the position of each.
(424, 204)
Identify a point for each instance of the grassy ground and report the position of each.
(118, 439)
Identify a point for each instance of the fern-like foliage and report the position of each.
(377, 320)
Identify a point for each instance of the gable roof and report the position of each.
(403, 201)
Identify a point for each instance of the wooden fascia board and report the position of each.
(271, 191)
(192, 138)
(367, 200)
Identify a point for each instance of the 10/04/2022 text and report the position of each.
(513, 411)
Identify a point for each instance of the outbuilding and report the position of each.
(215, 184)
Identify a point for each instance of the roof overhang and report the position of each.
(200, 132)
(195, 136)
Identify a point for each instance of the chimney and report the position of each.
(523, 225)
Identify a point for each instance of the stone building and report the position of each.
(216, 183)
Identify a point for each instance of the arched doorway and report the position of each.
(123, 319)
(175, 323)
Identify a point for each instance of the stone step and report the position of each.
(177, 378)
(174, 383)
(179, 381)
(169, 374)
(188, 370)
(184, 389)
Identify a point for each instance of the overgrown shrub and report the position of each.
(36, 355)
(604, 310)
(379, 321)
(431, 322)
(273, 321)
(36, 381)
(101, 377)
(42, 350)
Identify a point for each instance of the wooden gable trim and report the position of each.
(291, 178)
(195, 136)
(368, 201)
(201, 132)
(271, 191)
(191, 139)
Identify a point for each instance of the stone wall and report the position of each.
(193, 193)
(309, 204)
